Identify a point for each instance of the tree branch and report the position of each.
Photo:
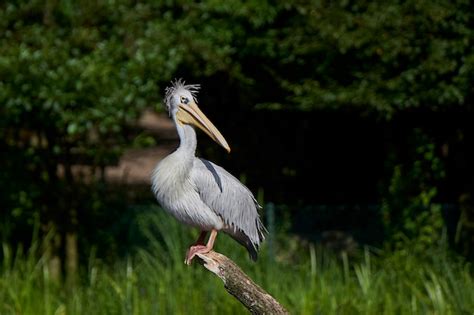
(238, 284)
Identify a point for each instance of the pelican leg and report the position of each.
(199, 248)
(196, 245)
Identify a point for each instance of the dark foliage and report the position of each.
(323, 102)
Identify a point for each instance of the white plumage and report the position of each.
(198, 192)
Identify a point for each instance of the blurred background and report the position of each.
(351, 121)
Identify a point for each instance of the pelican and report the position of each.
(198, 192)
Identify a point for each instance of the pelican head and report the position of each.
(180, 100)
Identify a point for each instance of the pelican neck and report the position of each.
(188, 139)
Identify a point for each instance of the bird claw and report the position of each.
(193, 250)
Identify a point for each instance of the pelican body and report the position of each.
(198, 192)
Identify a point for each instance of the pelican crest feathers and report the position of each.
(176, 85)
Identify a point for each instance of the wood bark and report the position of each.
(238, 284)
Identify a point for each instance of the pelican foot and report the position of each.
(193, 250)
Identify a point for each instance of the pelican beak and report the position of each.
(191, 114)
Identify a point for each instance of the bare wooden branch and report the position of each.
(238, 284)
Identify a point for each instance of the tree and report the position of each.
(75, 76)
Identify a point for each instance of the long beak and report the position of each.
(191, 114)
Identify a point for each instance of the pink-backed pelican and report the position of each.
(198, 192)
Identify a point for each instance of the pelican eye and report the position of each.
(184, 100)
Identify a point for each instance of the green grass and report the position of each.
(307, 280)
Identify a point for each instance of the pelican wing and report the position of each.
(232, 201)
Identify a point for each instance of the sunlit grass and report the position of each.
(307, 281)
